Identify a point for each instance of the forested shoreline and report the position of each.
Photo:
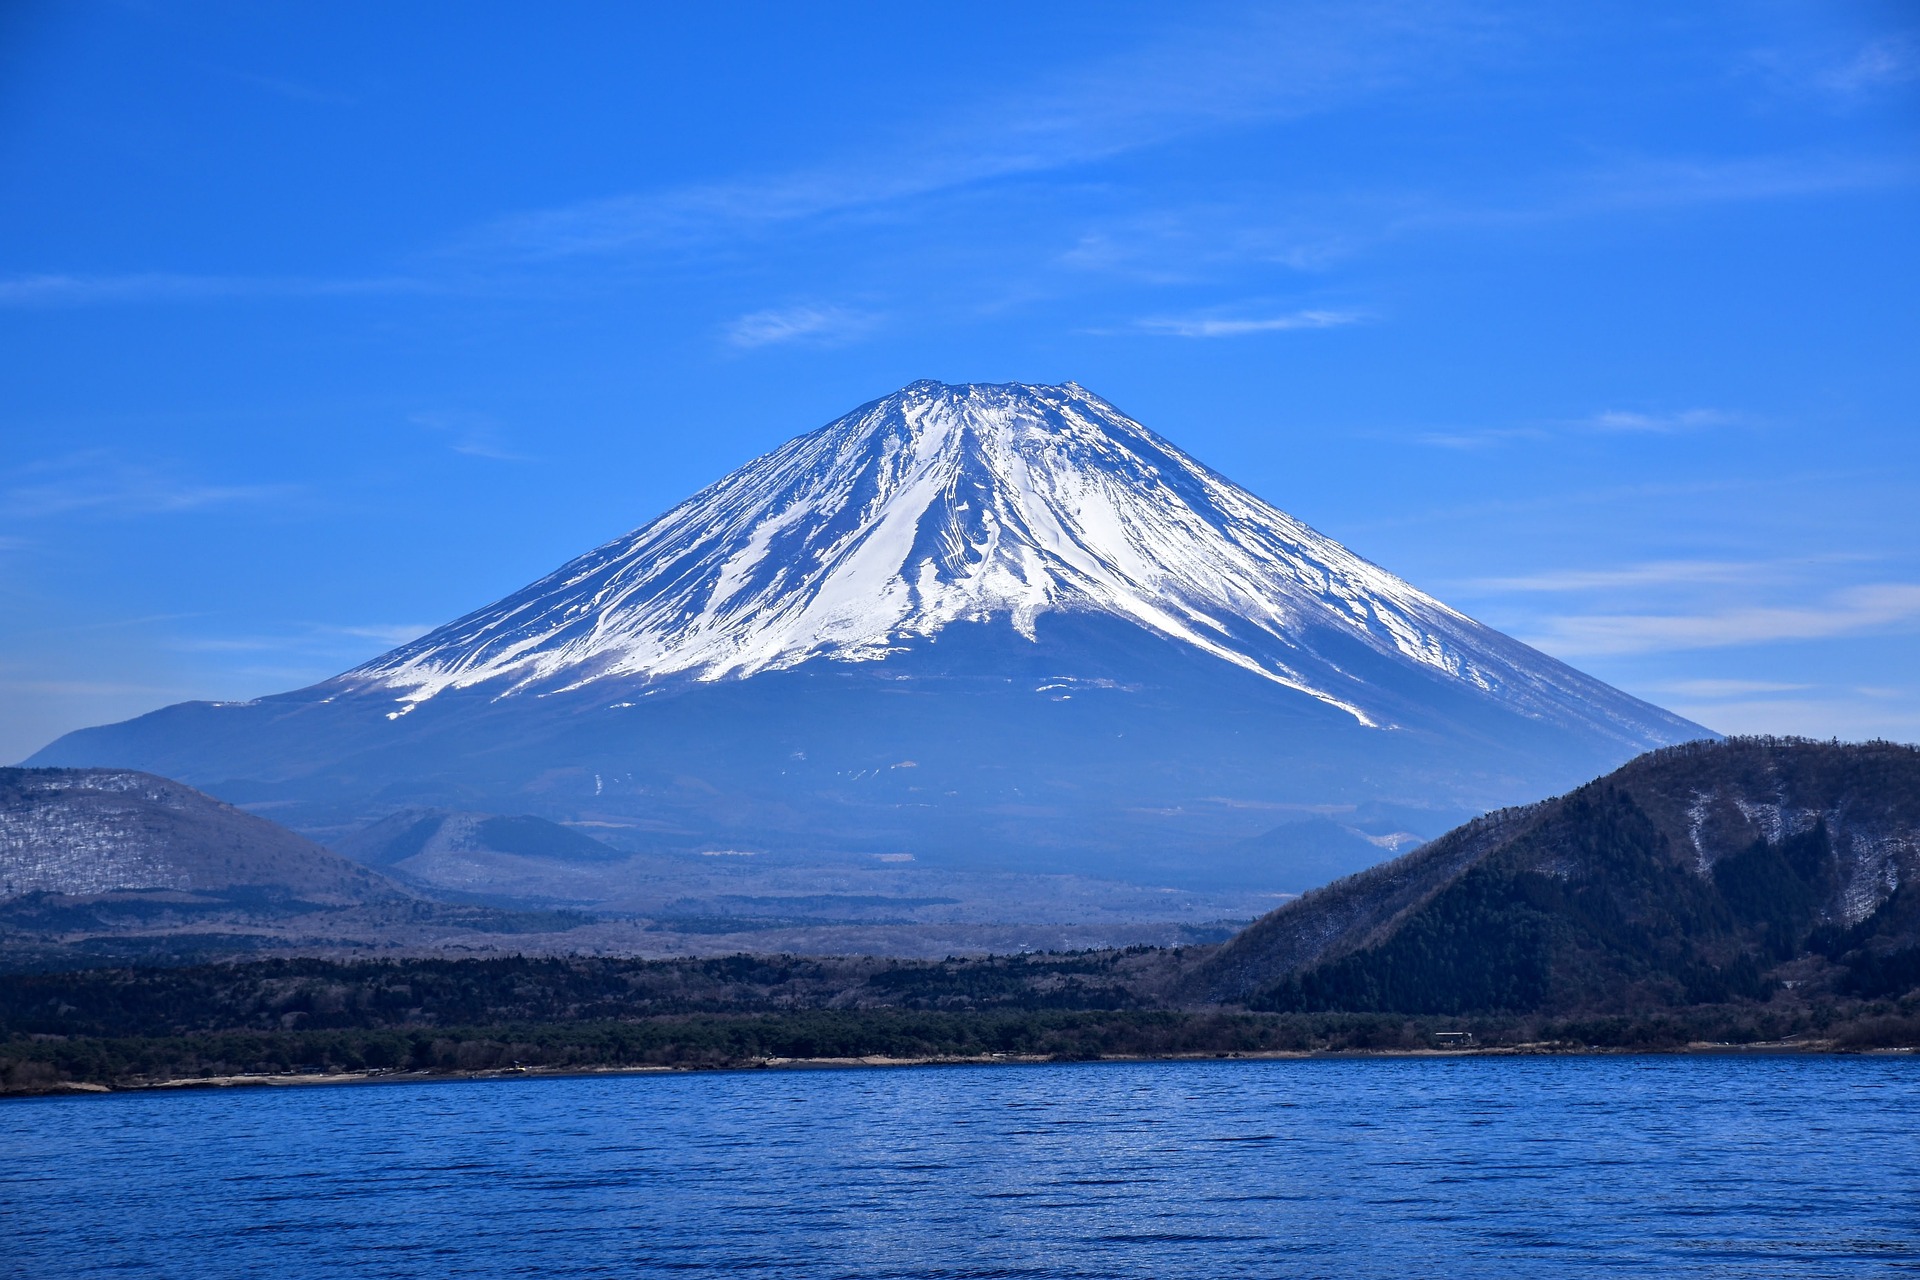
(133, 1028)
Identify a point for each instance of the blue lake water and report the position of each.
(1370, 1167)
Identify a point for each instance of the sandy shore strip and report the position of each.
(308, 1079)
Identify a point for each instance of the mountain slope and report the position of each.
(944, 504)
(976, 623)
(78, 832)
(413, 832)
(1696, 873)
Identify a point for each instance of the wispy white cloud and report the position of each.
(223, 644)
(1181, 246)
(1634, 496)
(1874, 607)
(1270, 64)
(1656, 573)
(1189, 76)
(1313, 230)
(396, 633)
(70, 290)
(1193, 75)
(1656, 182)
(114, 624)
(806, 323)
(292, 90)
(1842, 72)
(1605, 422)
(1889, 60)
(1235, 327)
(307, 640)
(65, 290)
(473, 435)
(1487, 439)
(1726, 688)
(97, 483)
(90, 688)
(1684, 420)
(1632, 184)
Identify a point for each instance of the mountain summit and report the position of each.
(991, 504)
(996, 624)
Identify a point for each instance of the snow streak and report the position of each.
(941, 504)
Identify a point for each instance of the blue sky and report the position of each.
(322, 324)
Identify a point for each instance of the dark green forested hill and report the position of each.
(1695, 874)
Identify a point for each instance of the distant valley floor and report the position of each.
(52, 932)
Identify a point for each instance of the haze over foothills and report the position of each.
(325, 329)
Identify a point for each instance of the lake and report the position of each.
(1802, 1166)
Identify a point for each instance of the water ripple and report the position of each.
(1358, 1168)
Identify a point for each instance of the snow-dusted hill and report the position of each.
(80, 832)
(984, 624)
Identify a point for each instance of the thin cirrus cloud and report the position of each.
(61, 290)
(1727, 688)
(1843, 73)
(1478, 439)
(94, 484)
(322, 639)
(1685, 420)
(1191, 77)
(279, 86)
(94, 688)
(812, 324)
(1878, 64)
(1655, 573)
(472, 435)
(1188, 79)
(1666, 182)
(1311, 231)
(1271, 65)
(1605, 422)
(385, 633)
(1651, 183)
(1853, 611)
(1231, 327)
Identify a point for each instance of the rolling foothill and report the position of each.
(1754, 892)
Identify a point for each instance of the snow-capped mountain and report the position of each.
(998, 624)
(980, 503)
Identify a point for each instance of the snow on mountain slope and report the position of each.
(93, 831)
(941, 504)
(992, 626)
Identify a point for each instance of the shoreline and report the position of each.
(300, 1080)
